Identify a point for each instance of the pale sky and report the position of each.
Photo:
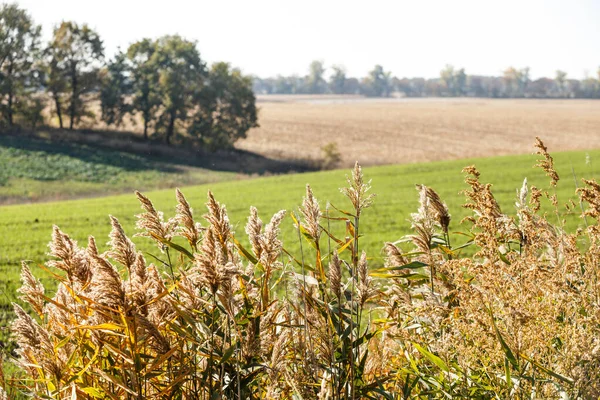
(408, 38)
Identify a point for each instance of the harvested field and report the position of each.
(389, 131)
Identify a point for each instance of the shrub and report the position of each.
(214, 319)
(331, 156)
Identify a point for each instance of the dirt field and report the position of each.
(386, 131)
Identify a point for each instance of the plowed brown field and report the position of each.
(387, 131)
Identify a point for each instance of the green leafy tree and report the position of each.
(19, 45)
(460, 78)
(378, 83)
(55, 81)
(448, 76)
(146, 99)
(75, 51)
(315, 81)
(116, 87)
(227, 108)
(516, 81)
(181, 75)
(337, 81)
(561, 82)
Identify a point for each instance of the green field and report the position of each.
(26, 229)
(38, 169)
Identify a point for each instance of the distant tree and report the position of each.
(541, 88)
(516, 81)
(589, 87)
(55, 80)
(476, 86)
(181, 75)
(337, 81)
(448, 77)
(351, 86)
(561, 83)
(315, 82)
(455, 80)
(523, 80)
(460, 79)
(281, 85)
(511, 79)
(19, 45)
(75, 50)
(378, 83)
(116, 88)
(146, 97)
(226, 108)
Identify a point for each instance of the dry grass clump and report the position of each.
(214, 319)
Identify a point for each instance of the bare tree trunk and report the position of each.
(145, 127)
(74, 95)
(10, 107)
(145, 130)
(10, 95)
(171, 127)
(58, 109)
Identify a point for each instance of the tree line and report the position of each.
(452, 82)
(162, 84)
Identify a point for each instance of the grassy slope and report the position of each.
(33, 170)
(26, 229)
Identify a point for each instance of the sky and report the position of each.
(409, 38)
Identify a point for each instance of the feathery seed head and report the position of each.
(254, 230)
(185, 217)
(151, 223)
(547, 163)
(32, 290)
(335, 275)
(106, 287)
(218, 219)
(312, 214)
(357, 190)
(122, 248)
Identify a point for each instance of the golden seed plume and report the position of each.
(364, 287)
(312, 214)
(357, 190)
(122, 248)
(32, 290)
(438, 209)
(394, 256)
(185, 217)
(547, 163)
(254, 231)
(218, 219)
(335, 275)
(151, 223)
(106, 287)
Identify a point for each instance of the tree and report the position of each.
(523, 80)
(144, 80)
(378, 82)
(337, 81)
(315, 82)
(74, 51)
(226, 108)
(19, 45)
(116, 87)
(54, 80)
(511, 78)
(561, 79)
(448, 77)
(460, 79)
(181, 75)
(516, 81)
